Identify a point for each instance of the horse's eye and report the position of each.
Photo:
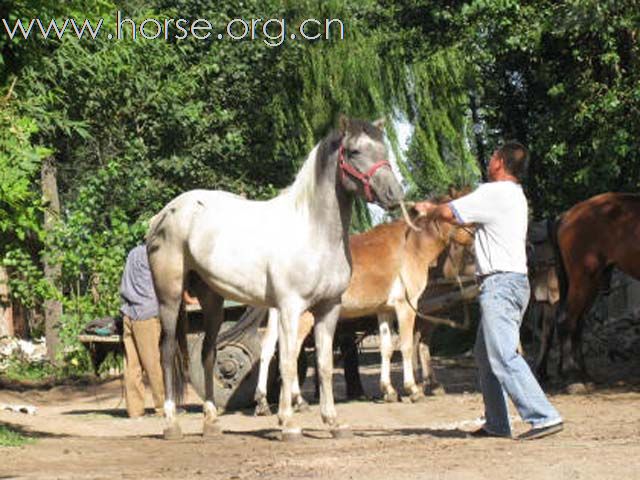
(354, 152)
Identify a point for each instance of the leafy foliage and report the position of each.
(19, 167)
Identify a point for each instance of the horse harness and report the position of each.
(364, 178)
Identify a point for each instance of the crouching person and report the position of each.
(141, 334)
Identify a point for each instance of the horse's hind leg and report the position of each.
(213, 314)
(169, 312)
(389, 394)
(422, 345)
(406, 321)
(168, 281)
(570, 325)
(326, 319)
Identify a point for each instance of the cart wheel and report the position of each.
(235, 372)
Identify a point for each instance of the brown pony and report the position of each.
(592, 237)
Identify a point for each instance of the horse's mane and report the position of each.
(303, 188)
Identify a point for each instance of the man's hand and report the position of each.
(434, 211)
(425, 209)
(188, 299)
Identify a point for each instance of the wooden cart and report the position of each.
(238, 356)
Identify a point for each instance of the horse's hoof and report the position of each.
(172, 433)
(417, 397)
(437, 391)
(291, 434)
(576, 388)
(262, 410)
(391, 397)
(211, 429)
(341, 432)
(301, 406)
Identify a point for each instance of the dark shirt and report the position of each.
(139, 301)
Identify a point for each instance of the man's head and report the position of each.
(510, 160)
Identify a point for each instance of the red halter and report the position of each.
(347, 168)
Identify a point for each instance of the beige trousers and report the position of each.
(142, 353)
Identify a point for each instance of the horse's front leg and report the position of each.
(212, 309)
(327, 315)
(287, 332)
(304, 327)
(267, 349)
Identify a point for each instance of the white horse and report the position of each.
(289, 253)
(390, 270)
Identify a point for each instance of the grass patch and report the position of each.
(20, 370)
(11, 438)
(77, 365)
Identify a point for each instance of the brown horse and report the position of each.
(455, 262)
(545, 292)
(592, 237)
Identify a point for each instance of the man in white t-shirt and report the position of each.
(498, 209)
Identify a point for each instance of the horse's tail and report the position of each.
(553, 224)
(180, 365)
(154, 224)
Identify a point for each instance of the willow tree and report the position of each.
(440, 153)
(373, 73)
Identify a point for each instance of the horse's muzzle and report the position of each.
(391, 196)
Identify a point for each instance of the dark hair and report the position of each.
(516, 158)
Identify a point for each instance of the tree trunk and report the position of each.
(52, 271)
(6, 313)
(477, 130)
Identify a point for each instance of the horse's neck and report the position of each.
(331, 209)
(319, 198)
(426, 250)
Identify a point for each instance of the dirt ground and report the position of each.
(83, 433)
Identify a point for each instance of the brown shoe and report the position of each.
(483, 433)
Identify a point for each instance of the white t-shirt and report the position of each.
(499, 210)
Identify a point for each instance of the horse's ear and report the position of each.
(453, 193)
(379, 124)
(343, 124)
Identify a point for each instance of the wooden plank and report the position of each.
(195, 307)
(447, 300)
(85, 338)
(451, 281)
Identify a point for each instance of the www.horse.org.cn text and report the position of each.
(273, 32)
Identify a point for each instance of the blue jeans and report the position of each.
(503, 371)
